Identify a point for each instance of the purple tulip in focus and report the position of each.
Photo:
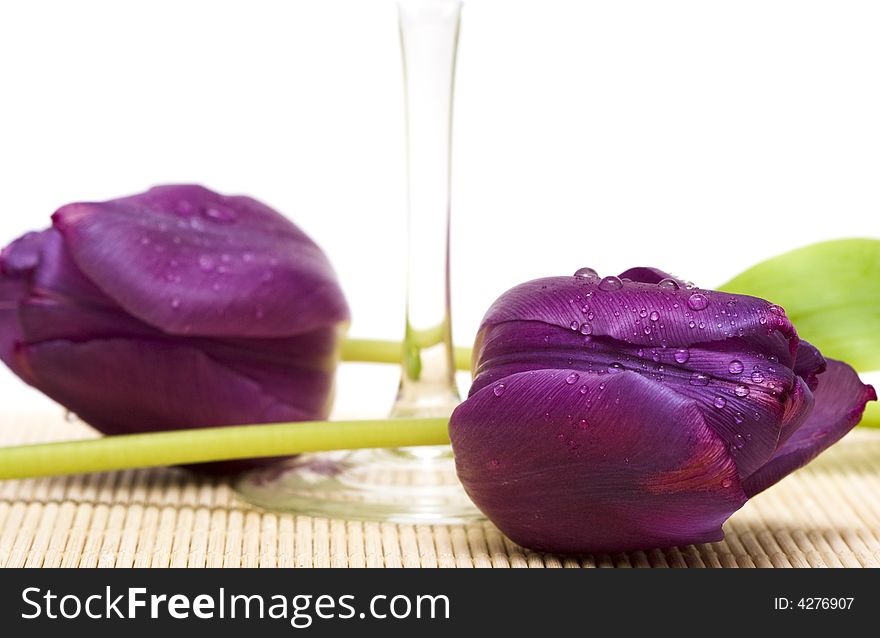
(174, 308)
(627, 413)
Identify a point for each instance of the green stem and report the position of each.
(179, 447)
(373, 351)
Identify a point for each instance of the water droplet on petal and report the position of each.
(586, 273)
(669, 284)
(735, 366)
(574, 325)
(682, 355)
(741, 391)
(206, 262)
(610, 283)
(498, 390)
(586, 329)
(584, 389)
(647, 330)
(572, 378)
(643, 312)
(655, 316)
(699, 379)
(615, 368)
(725, 483)
(691, 324)
(758, 376)
(738, 418)
(719, 402)
(698, 301)
(219, 213)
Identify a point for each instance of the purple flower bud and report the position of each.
(175, 308)
(640, 414)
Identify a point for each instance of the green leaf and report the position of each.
(872, 415)
(831, 292)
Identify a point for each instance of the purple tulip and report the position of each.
(174, 308)
(630, 413)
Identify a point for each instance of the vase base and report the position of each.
(408, 485)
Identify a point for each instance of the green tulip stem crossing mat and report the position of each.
(181, 447)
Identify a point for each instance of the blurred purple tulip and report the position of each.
(615, 414)
(174, 308)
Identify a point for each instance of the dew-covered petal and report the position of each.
(189, 261)
(648, 275)
(572, 462)
(747, 396)
(798, 407)
(840, 400)
(647, 315)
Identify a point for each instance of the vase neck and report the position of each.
(429, 39)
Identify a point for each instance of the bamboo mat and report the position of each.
(827, 514)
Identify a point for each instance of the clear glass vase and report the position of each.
(415, 485)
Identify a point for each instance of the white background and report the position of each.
(699, 136)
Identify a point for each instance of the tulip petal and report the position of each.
(17, 262)
(57, 276)
(647, 315)
(195, 389)
(189, 261)
(48, 319)
(11, 291)
(809, 364)
(285, 368)
(566, 461)
(840, 401)
(746, 395)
